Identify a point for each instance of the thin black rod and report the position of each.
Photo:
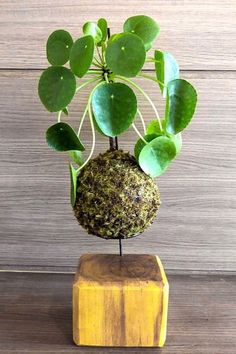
(114, 146)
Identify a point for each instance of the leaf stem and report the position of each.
(86, 83)
(145, 95)
(152, 60)
(142, 120)
(106, 78)
(92, 127)
(153, 78)
(59, 116)
(82, 120)
(97, 61)
(100, 57)
(97, 65)
(94, 71)
(138, 133)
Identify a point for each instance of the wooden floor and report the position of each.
(35, 315)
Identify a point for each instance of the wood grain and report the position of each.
(35, 312)
(196, 224)
(201, 34)
(124, 298)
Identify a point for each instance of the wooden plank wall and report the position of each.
(195, 230)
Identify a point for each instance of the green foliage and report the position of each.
(156, 156)
(141, 143)
(112, 104)
(56, 88)
(167, 69)
(58, 47)
(180, 105)
(114, 107)
(92, 29)
(62, 137)
(81, 55)
(144, 27)
(125, 54)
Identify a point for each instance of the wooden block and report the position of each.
(120, 301)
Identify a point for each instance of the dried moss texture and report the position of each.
(115, 198)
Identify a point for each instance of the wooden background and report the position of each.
(195, 230)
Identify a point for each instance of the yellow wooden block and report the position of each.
(120, 301)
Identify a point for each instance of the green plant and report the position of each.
(112, 105)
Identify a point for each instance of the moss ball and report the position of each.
(115, 198)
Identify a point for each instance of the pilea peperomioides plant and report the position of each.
(114, 195)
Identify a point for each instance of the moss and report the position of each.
(115, 198)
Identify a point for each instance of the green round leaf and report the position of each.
(62, 137)
(154, 127)
(102, 24)
(144, 27)
(180, 105)
(92, 29)
(125, 54)
(56, 88)
(140, 144)
(58, 47)
(81, 55)
(156, 156)
(114, 107)
(167, 69)
(77, 157)
(73, 184)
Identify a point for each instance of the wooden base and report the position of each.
(120, 301)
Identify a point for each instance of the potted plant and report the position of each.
(114, 195)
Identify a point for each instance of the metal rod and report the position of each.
(113, 141)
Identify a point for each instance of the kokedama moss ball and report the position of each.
(115, 198)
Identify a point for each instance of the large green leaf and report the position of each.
(102, 24)
(114, 107)
(56, 88)
(62, 137)
(81, 55)
(140, 144)
(156, 156)
(180, 105)
(167, 69)
(92, 29)
(144, 27)
(59, 44)
(73, 184)
(125, 54)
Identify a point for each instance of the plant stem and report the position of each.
(59, 116)
(98, 66)
(152, 60)
(97, 61)
(153, 78)
(82, 120)
(106, 78)
(94, 72)
(99, 55)
(87, 83)
(142, 120)
(139, 134)
(92, 127)
(145, 95)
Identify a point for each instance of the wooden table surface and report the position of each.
(35, 315)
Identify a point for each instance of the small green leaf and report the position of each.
(92, 29)
(102, 24)
(59, 44)
(56, 88)
(73, 184)
(65, 111)
(114, 107)
(77, 157)
(144, 27)
(154, 127)
(180, 105)
(62, 137)
(125, 54)
(81, 55)
(167, 69)
(156, 156)
(140, 144)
